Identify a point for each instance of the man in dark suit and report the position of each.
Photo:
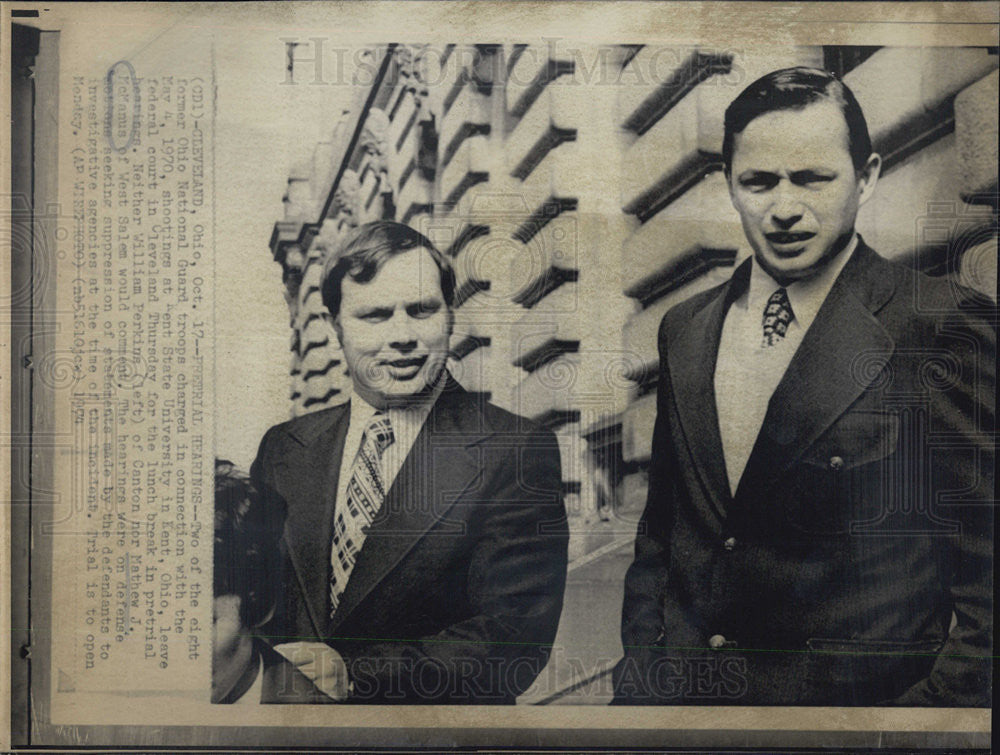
(426, 536)
(819, 523)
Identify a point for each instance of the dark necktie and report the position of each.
(365, 496)
(777, 316)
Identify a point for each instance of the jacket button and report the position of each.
(729, 543)
(836, 463)
(716, 641)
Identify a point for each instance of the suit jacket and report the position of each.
(295, 687)
(457, 591)
(861, 526)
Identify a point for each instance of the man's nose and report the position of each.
(784, 222)
(786, 210)
(402, 337)
(403, 344)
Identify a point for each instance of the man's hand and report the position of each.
(319, 663)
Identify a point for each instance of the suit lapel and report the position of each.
(442, 466)
(691, 357)
(309, 481)
(822, 380)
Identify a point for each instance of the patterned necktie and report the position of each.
(777, 316)
(365, 496)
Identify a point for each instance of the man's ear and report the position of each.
(868, 177)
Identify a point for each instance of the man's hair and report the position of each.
(247, 551)
(367, 250)
(795, 89)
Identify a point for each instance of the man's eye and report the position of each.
(375, 316)
(810, 178)
(759, 182)
(423, 310)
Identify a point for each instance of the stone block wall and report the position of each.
(579, 192)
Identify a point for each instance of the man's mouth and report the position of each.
(788, 238)
(407, 366)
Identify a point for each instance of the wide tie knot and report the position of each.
(379, 432)
(777, 317)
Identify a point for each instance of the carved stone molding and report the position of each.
(329, 238)
(346, 206)
(374, 139)
(415, 69)
(293, 266)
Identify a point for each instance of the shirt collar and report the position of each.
(804, 296)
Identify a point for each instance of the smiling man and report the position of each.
(818, 529)
(426, 537)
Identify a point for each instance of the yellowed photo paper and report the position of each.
(439, 374)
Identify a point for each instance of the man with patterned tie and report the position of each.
(819, 523)
(426, 536)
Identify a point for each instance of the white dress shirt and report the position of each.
(406, 424)
(746, 372)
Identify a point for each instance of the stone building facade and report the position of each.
(579, 192)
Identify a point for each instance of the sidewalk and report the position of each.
(588, 643)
